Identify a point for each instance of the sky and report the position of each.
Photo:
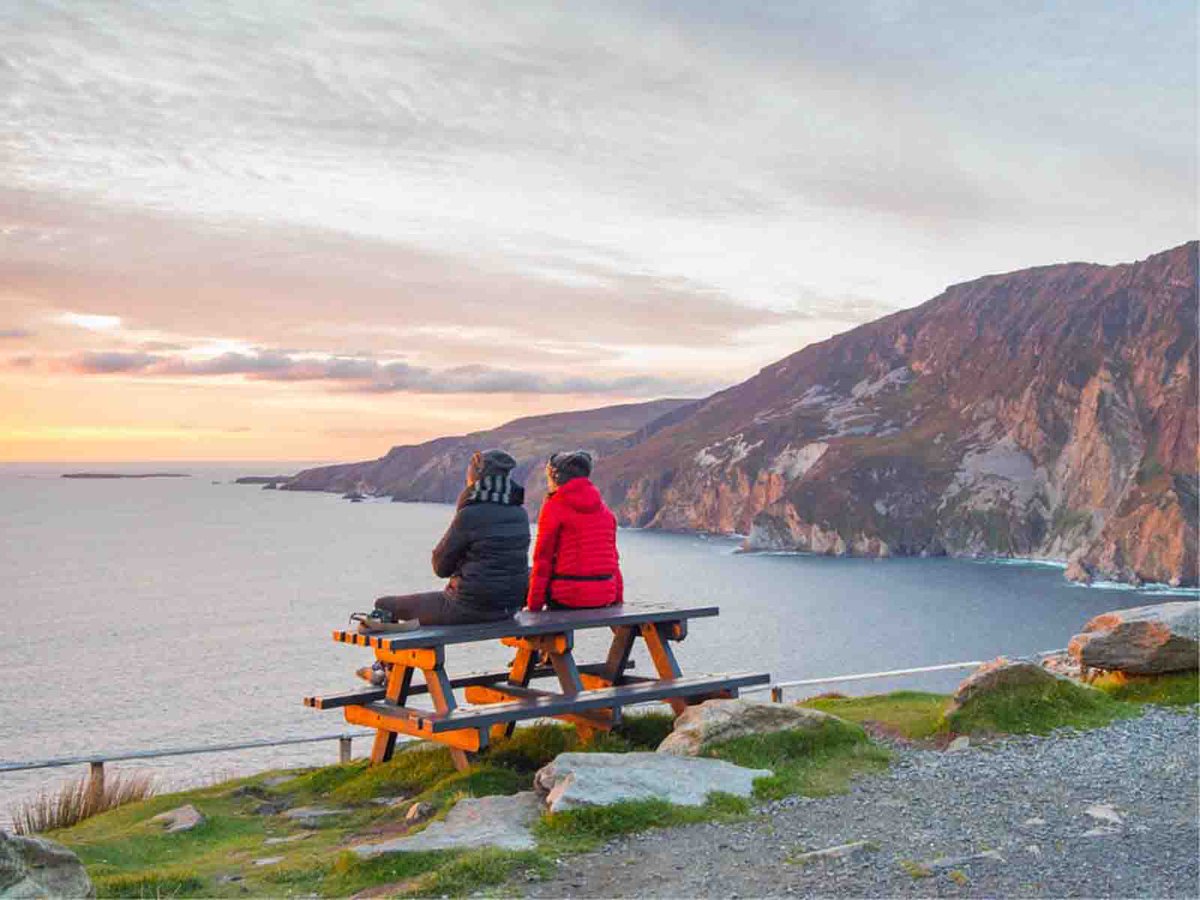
(310, 230)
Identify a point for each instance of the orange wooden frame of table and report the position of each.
(590, 697)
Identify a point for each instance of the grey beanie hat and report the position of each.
(569, 464)
(490, 462)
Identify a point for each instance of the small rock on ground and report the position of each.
(312, 816)
(182, 818)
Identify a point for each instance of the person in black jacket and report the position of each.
(484, 553)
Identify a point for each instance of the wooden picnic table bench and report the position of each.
(590, 696)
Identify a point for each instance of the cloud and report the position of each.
(112, 362)
(15, 333)
(365, 375)
(89, 321)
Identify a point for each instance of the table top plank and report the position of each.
(527, 624)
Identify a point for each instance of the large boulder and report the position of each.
(35, 867)
(715, 721)
(504, 822)
(576, 780)
(1001, 674)
(1145, 640)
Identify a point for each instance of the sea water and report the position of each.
(156, 613)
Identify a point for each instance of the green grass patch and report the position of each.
(479, 781)
(477, 869)
(1172, 689)
(816, 762)
(408, 773)
(1038, 709)
(149, 884)
(914, 714)
(588, 827)
(128, 856)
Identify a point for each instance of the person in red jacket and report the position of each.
(575, 560)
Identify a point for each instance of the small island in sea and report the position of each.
(126, 475)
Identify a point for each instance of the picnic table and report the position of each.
(590, 696)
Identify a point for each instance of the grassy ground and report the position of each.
(1038, 709)
(1175, 689)
(128, 856)
(921, 716)
(912, 714)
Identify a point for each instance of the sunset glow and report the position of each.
(317, 232)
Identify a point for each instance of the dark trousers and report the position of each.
(435, 608)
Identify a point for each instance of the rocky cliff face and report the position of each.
(1045, 413)
(434, 471)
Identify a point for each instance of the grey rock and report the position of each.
(289, 839)
(1145, 640)
(1104, 812)
(839, 852)
(268, 860)
(312, 816)
(418, 812)
(960, 743)
(600, 779)
(715, 721)
(182, 818)
(36, 867)
(504, 822)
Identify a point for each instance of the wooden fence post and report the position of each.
(776, 694)
(344, 749)
(96, 777)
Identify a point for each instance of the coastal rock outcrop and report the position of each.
(35, 867)
(715, 721)
(1145, 640)
(1046, 413)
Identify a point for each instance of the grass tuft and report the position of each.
(182, 883)
(588, 827)
(1038, 709)
(816, 761)
(477, 869)
(1172, 689)
(914, 714)
(78, 800)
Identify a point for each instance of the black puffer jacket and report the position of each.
(485, 552)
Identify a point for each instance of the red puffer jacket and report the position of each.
(575, 560)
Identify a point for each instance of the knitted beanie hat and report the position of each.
(489, 462)
(569, 464)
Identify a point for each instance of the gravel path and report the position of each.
(1106, 813)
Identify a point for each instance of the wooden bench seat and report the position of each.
(473, 679)
(550, 705)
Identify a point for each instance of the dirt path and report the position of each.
(1108, 813)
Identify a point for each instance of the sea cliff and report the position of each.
(1048, 413)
